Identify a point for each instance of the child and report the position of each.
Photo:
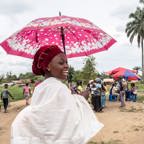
(27, 93)
(4, 96)
(133, 92)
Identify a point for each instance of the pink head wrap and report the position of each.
(43, 57)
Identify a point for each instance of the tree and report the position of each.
(70, 74)
(28, 75)
(77, 76)
(9, 76)
(1, 78)
(89, 70)
(135, 28)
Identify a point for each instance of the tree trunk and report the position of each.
(142, 61)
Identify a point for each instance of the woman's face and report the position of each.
(58, 67)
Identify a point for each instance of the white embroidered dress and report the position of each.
(55, 116)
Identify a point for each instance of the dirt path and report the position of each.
(122, 126)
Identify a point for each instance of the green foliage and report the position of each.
(142, 1)
(89, 70)
(1, 78)
(17, 92)
(28, 75)
(109, 142)
(71, 74)
(103, 75)
(135, 28)
(77, 75)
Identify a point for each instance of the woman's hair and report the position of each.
(43, 57)
(132, 84)
(79, 82)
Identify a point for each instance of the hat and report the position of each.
(98, 80)
(43, 57)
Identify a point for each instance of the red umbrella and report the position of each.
(111, 72)
(75, 36)
(125, 73)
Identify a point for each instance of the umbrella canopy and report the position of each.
(127, 74)
(75, 36)
(111, 72)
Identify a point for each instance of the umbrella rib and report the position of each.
(77, 39)
(74, 35)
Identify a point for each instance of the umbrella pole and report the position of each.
(63, 37)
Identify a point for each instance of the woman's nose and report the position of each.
(66, 65)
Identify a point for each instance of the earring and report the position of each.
(48, 69)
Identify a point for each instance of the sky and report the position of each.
(110, 15)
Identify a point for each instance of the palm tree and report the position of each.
(135, 28)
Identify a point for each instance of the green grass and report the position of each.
(109, 142)
(17, 92)
(140, 98)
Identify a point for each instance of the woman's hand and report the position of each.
(85, 93)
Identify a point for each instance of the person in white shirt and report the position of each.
(55, 116)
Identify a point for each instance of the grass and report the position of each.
(109, 142)
(17, 92)
(140, 98)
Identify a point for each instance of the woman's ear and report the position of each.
(48, 68)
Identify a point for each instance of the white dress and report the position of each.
(55, 116)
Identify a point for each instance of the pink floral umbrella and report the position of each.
(75, 36)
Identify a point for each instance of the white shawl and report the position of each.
(55, 116)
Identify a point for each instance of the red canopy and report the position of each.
(111, 72)
(127, 74)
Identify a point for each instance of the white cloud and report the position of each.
(109, 15)
(14, 7)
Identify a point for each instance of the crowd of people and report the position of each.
(99, 91)
(96, 92)
(120, 90)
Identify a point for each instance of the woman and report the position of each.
(96, 97)
(55, 116)
(103, 95)
(79, 87)
(27, 93)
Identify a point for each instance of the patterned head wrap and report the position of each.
(43, 57)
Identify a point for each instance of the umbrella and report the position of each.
(111, 72)
(75, 36)
(127, 74)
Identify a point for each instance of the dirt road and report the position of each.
(121, 125)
